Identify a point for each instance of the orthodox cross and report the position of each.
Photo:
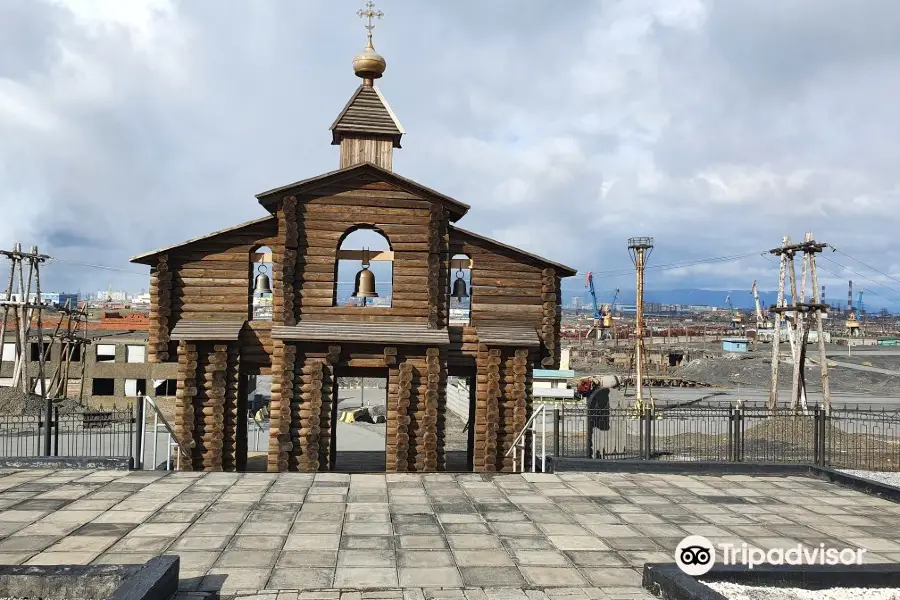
(370, 13)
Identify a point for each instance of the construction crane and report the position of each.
(762, 320)
(737, 319)
(602, 317)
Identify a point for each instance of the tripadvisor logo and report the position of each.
(695, 555)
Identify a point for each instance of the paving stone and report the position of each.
(312, 542)
(62, 558)
(366, 558)
(458, 528)
(424, 558)
(612, 577)
(273, 543)
(246, 558)
(584, 558)
(540, 557)
(491, 576)
(124, 516)
(473, 542)
(429, 577)
(482, 558)
(301, 578)
(552, 576)
(206, 542)
(232, 579)
(318, 527)
(372, 542)
(422, 542)
(126, 544)
(367, 528)
(363, 577)
(307, 558)
(577, 542)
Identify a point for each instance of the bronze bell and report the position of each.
(365, 284)
(262, 285)
(459, 287)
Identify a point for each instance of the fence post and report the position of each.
(48, 423)
(739, 434)
(816, 457)
(731, 451)
(821, 421)
(56, 432)
(588, 431)
(139, 436)
(647, 415)
(556, 424)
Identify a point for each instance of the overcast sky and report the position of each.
(715, 127)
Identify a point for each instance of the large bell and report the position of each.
(459, 289)
(262, 285)
(365, 284)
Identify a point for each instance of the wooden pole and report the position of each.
(823, 360)
(776, 333)
(36, 262)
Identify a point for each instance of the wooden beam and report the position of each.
(379, 255)
(257, 257)
(460, 263)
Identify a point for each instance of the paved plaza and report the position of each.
(571, 536)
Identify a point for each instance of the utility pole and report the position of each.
(640, 249)
(801, 312)
(19, 298)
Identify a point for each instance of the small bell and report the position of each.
(262, 285)
(365, 284)
(459, 287)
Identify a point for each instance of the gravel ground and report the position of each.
(736, 591)
(888, 477)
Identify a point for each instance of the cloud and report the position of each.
(715, 127)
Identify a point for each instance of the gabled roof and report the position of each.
(147, 256)
(564, 271)
(457, 208)
(367, 112)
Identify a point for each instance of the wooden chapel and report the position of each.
(202, 313)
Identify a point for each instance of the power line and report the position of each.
(858, 274)
(94, 266)
(676, 265)
(865, 265)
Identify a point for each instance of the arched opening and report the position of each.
(262, 282)
(460, 294)
(364, 248)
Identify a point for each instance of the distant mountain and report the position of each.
(741, 298)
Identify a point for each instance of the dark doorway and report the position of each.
(359, 414)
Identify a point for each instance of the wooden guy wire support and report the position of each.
(801, 314)
(18, 298)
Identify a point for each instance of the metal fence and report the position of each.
(852, 437)
(69, 433)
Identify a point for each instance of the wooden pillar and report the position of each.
(551, 318)
(160, 311)
(441, 420)
(397, 431)
(427, 414)
(186, 390)
(487, 412)
(210, 411)
(284, 262)
(513, 413)
(240, 451)
(327, 402)
(232, 413)
(307, 416)
(438, 265)
(279, 412)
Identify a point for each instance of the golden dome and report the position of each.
(368, 64)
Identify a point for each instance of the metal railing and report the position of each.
(173, 443)
(60, 432)
(529, 437)
(851, 437)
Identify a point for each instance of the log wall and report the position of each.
(378, 150)
(160, 311)
(212, 278)
(326, 215)
(502, 405)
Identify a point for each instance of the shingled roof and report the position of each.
(367, 112)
